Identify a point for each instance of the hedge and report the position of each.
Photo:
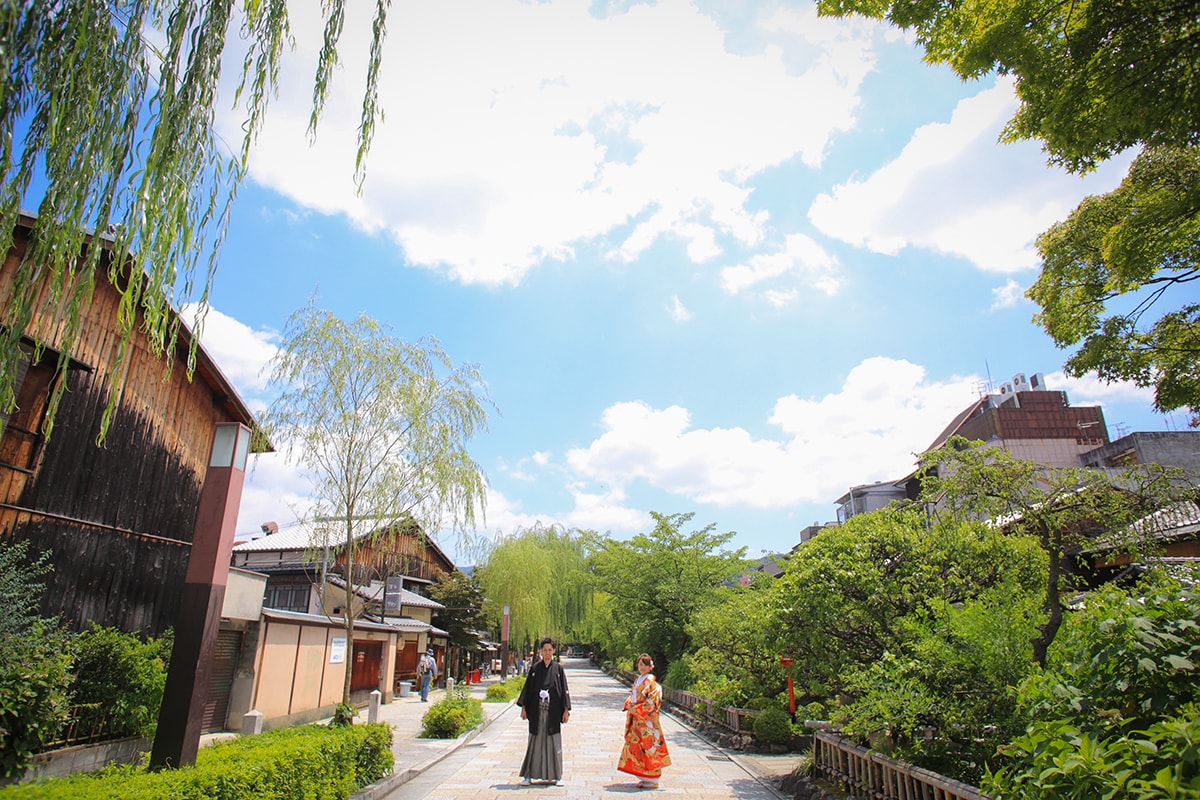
(313, 762)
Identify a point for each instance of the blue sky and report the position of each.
(726, 258)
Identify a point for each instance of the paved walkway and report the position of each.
(483, 764)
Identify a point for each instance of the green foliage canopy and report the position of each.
(1108, 269)
(540, 573)
(658, 582)
(112, 106)
(464, 612)
(1064, 510)
(1114, 714)
(1095, 78)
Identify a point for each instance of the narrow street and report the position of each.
(487, 767)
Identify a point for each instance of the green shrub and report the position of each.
(761, 703)
(34, 698)
(312, 762)
(679, 675)
(773, 726)
(343, 715)
(701, 708)
(1056, 760)
(503, 692)
(452, 716)
(122, 677)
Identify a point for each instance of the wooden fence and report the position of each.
(868, 774)
(733, 719)
(864, 773)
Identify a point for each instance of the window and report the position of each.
(287, 596)
(21, 436)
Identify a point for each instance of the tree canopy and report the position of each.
(657, 582)
(1095, 79)
(380, 426)
(111, 107)
(1067, 511)
(1140, 240)
(540, 573)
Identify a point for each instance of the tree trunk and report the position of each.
(348, 617)
(1053, 604)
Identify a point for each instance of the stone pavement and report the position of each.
(486, 760)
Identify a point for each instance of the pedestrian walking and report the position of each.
(427, 670)
(645, 751)
(546, 703)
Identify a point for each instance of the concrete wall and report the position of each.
(244, 595)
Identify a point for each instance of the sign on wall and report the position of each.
(337, 650)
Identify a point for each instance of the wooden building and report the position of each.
(393, 568)
(117, 517)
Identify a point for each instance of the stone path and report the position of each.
(486, 768)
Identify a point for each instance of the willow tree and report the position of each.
(381, 427)
(108, 108)
(540, 573)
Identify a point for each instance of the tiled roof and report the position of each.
(375, 592)
(310, 536)
(304, 536)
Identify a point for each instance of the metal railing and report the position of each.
(866, 773)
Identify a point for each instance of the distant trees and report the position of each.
(464, 610)
(381, 427)
(540, 573)
(657, 582)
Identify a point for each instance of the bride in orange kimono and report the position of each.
(645, 752)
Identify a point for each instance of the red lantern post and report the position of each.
(786, 661)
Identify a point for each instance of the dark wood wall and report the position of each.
(117, 516)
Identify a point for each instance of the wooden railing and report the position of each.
(869, 774)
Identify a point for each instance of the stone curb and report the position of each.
(389, 783)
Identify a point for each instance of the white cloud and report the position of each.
(955, 190)
(801, 257)
(517, 131)
(1090, 390)
(678, 311)
(274, 491)
(869, 430)
(239, 351)
(1008, 295)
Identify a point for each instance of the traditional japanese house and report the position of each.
(117, 516)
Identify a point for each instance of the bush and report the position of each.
(503, 692)
(313, 762)
(761, 703)
(452, 716)
(1058, 760)
(34, 698)
(679, 675)
(123, 677)
(773, 726)
(343, 715)
(701, 708)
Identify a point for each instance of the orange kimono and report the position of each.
(645, 752)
